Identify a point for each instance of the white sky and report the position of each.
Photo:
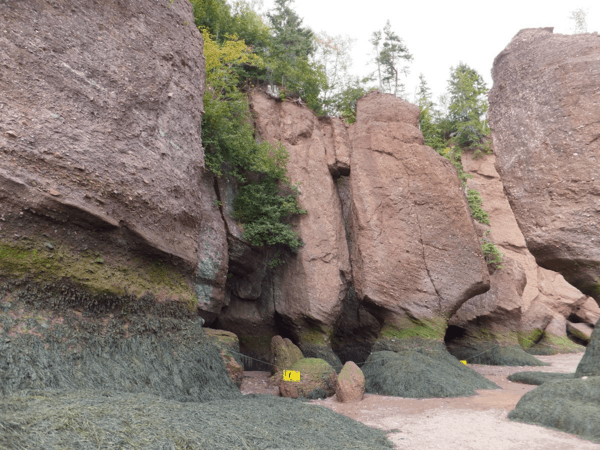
(440, 34)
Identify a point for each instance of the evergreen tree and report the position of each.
(289, 64)
(468, 105)
(391, 58)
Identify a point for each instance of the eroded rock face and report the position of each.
(526, 303)
(545, 124)
(315, 281)
(415, 255)
(100, 137)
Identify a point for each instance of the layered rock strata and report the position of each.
(545, 124)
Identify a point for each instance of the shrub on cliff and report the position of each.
(267, 199)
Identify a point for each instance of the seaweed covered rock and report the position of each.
(285, 354)
(229, 347)
(323, 352)
(317, 380)
(102, 176)
(590, 363)
(122, 344)
(537, 378)
(570, 405)
(421, 374)
(545, 123)
(495, 354)
(350, 384)
(56, 420)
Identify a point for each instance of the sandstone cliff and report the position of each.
(526, 304)
(101, 162)
(545, 124)
(390, 251)
(415, 255)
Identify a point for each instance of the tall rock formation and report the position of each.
(315, 281)
(526, 303)
(110, 234)
(101, 162)
(415, 255)
(545, 124)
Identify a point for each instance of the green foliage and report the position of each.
(391, 56)
(344, 102)
(289, 52)
(228, 137)
(264, 209)
(491, 253)
(477, 211)
(468, 106)
(430, 127)
(332, 53)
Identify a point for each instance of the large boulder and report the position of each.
(285, 354)
(421, 374)
(102, 176)
(415, 255)
(314, 282)
(317, 380)
(545, 124)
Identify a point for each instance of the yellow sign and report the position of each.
(291, 375)
(463, 361)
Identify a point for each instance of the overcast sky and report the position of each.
(440, 34)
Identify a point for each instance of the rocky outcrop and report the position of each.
(526, 304)
(545, 124)
(415, 255)
(315, 281)
(101, 163)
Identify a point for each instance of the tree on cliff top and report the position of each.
(468, 105)
(391, 57)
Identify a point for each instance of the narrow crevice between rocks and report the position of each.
(356, 328)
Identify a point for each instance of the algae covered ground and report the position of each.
(96, 419)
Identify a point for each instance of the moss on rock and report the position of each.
(93, 272)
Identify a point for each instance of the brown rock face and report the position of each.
(415, 255)
(315, 281)
(100, 132)
(545, 125)
(524, 298)
(350, 384)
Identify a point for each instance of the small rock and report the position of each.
(54, 192)
(11, 134)
(49, 245)
(350, 384)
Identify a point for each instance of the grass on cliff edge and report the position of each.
(101, 419)
(38, 262)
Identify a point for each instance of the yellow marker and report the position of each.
(464, 361)
(291, 375)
